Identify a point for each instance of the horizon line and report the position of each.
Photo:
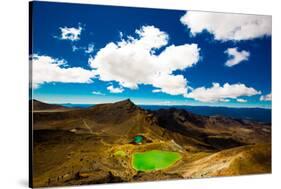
(157, 104)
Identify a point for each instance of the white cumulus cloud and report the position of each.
(46, 69)
(133, 61)
(241, 100)
(221, 93)
(70, 33)
(115, 89)
(226, 26)
(235, 57)
(267, 97)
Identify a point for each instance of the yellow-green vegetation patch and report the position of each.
(119, 153)
(154, 160)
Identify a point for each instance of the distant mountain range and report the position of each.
(38, 105)
(254, 114)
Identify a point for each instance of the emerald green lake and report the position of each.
(154, 160)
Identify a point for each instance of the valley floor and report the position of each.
(88, 159)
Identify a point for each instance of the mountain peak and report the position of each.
(126, 102)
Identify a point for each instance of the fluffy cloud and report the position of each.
(115, 89)
(225, 26)
(241, 100)
(97, 93)
(235, 57)
(267, 97)
(133, 61)
(72, 34)
(221, 93)
(46, 69)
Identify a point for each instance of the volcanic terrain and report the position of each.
(96, 144)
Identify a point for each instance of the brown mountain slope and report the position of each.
(219, 132)
(126, 119)
(252, 159)
(38, 105)
(79, 146)
(114, 119)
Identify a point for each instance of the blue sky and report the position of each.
(97, 54)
